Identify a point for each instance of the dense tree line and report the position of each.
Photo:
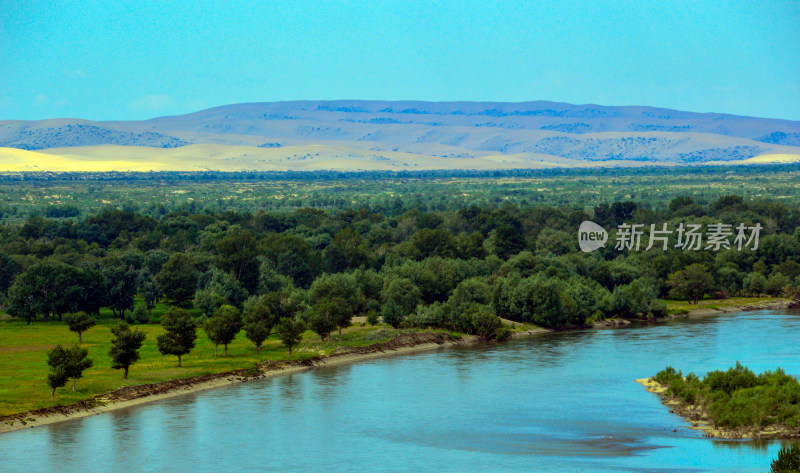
(264, 272)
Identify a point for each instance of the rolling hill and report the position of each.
(399, 135)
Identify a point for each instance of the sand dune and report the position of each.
(772, 158)
(16, 160)
(764, 159)
(216, 157)
(219, 157)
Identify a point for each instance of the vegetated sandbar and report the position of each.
(700, 420)
(405, 343)
(732, 404)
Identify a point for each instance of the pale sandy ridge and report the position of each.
(313, 157)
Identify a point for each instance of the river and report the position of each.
(560, 402)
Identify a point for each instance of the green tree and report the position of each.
(208, 301)
(322, 319)
(546, 304)
(535, 299)
(281, 304)
(259, 318)
(125, 346)
(77, 363)
(755, 283)
(257, 332)
(94, 289)
(345, 287)
(236, 254)
(9, 268)
(65, 364)
(658, 308)
(223, 326)
(427, 243)
(507, 237)
(485, 325)
(269, 279)
(45, 288)
(400, 298)
(154, 260)
(79, 322)
(346, 251)
(632, 299)
(373, 317)
(181, 333)
(177, 280)
(224, 285)
(58, 375)
(777, 284)
(583, 301)
(148, 289)
(788, 460)
(121, 284)
(290, 331)
(692, 282)
(553, 242)
(139, 315)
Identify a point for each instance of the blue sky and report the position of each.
(130, 60)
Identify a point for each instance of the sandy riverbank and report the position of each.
(696, 313)
(772, 305)
(405, 343)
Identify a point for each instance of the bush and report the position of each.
(373, 317)
(632, 299)
(138, 315)
(502, 334)
(657, 308)
(788, 460)
(427, 316)
(486, 325)
(596, 317)
(738, 397)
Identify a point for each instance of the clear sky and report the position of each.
(139, 59)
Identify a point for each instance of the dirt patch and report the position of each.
(611, 322)
(400, 341)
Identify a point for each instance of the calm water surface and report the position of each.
(564, 402)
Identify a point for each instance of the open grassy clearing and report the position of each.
(682, 306)
(23, 369)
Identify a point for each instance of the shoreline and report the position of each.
(130, 396)
(772, 305)
(699, 419)
(405, 343)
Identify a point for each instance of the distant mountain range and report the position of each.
(386, 133)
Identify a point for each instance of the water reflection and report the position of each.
(559, 402)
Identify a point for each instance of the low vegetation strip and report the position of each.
(736, 403)
(130, 395)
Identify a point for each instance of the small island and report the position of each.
(732, 404)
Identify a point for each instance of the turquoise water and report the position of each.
(564, 402)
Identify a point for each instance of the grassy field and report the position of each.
(23, 367)
(682, 306)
